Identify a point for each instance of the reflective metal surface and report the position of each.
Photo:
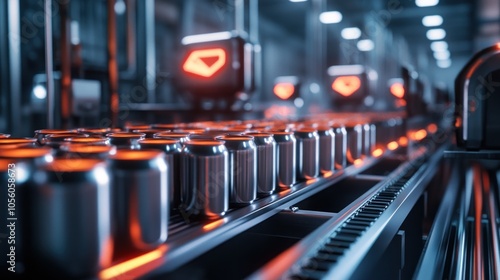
(286, 158)
(266, 162)
(307, 153)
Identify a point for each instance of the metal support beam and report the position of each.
(14, 31)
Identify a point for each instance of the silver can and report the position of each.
(205, 179)
(140, 198)
(307, 153)
(286, 158)
(243, 168)
(340, 153)
(69, 219)
(172, 149)
(76, 151)
(354, 142)
(326, 149)
(181, 136)
(266, 162)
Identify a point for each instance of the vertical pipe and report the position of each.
(478, 264)
(253, 15)
(14, 63)
(66, 95)
(112, 64)
(49, 65)
(239, 15)
(150, 50)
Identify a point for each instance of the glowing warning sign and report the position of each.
(205, 63)
(284, 90)
(398, 90)
(346, 85)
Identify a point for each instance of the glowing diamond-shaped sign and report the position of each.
(346, 85)
(205, 63)
(284, 90)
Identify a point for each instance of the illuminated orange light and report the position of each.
(205, 62)
(498, 45)
(400, 103)
(213, 225)
(421, 134)
(346, 85)
(284, 90)
(358, 162)
(310, 181)
(398, 90)
(377, 152)
(458, 122)
(392, 145)
(432, 128)
(132, 264)
(403, 141)
(328, 174)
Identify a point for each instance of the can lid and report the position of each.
(129, 135)
(25, 153)
(17, 140)
(135, 155)
(171, 134)
(204, 143)
(90, 149)
(235, 138)
(85, 140)
(72, 165)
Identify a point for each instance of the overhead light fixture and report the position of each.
(295, 1)
(330, 17)
(444, 63)
(365, 45)
(40, 92)
(426, 3)
(444, 55)
(430, 21)
(436, 34)
(439, 46)
(350, 33)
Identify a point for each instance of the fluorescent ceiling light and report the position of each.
(207, 37)
(439, 46)
(343, 70)
(432, 20)
(426, 3)
(350, 33)
(298, 1)
(365, 45)
(330, 17)
(444, 63)
(436, 34)
(444, 55)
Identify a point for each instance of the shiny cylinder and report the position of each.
(366, 142)
(125, 140)
(307, 153)
(172, 149)
(243, 168)
(149, 133)
(98, 131)
(76, 151)
(181, 136)
(140, 198)
(326, 149)
(27, 142)
(354, 142)
(286, 158)
(205, 179)
(266, 162)
(340, 153)
(69, 219)
(42, 133)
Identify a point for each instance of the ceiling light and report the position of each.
(298, 1)
(350, 33)
(365, 45)
(330, 17)
(439, 46)
(426, 3)
(432, 20)
(444, 55)
(436, 34)
(444, 63)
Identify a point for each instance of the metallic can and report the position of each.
(266, 162)
(181, 136)
(340, 153)
(366, 140)
(140, 198)
(149, 133)
(98, 131)
(286, 158)
(326, 149)
(354, 142)
(127, 140)
(93, 140)
(205, 179)
(168, 126)
(55, 140)
(172, 149)
(132, 127)
(307, 153)
(69, 219)
(4, 135)
(26, 142)
(243, 168)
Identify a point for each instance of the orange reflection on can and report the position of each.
(392, 145)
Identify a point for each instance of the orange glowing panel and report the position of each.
(284, 90)
(346, 85)
(377, 152)
(398, 90)
(205, 63)
(392, 145)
